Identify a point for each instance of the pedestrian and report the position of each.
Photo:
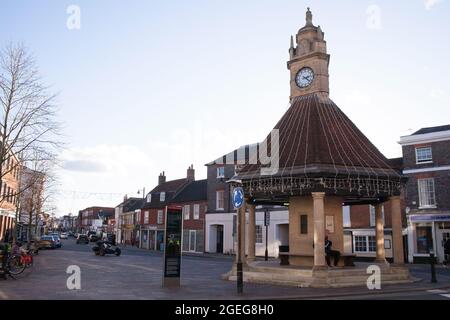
(446, 251)
(329, 252)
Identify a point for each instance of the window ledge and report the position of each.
(425, 162)
(428, 207)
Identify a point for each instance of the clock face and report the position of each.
(304, 77)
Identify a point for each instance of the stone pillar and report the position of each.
(319, 229)
(251, 233)
(397, 234)
(381, 256)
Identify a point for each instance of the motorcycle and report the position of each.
(103, 247)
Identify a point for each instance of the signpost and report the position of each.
(267, 223)
(172, 246)
(238, 201)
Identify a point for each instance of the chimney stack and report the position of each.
(161, 178)
(191, 173)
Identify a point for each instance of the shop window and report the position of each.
(259, 234)
(424, 239)
(360, 244)
(372, 243)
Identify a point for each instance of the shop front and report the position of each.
(427, 233)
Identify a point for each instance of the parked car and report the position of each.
(82, 238)
(47, 242)
(57, 241)
(64, 235)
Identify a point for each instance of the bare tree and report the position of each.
(29, 131)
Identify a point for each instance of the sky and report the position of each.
(150, 86)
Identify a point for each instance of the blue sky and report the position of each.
(147, 86)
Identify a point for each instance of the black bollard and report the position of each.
(433, 268)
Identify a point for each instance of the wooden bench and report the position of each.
(347, 258)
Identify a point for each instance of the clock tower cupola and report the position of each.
(308, 60)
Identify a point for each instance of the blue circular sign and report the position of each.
(238, 197)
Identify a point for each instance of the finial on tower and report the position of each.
(309, 18)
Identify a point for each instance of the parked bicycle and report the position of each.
(14, 262)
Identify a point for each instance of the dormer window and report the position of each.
(220, 172)
(149, 198)
(424, 155)
(162, 197)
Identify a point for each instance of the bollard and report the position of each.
(433, 268)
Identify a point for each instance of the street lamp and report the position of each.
(143, 192)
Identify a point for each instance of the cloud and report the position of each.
(438, 94)
(429, 4)
(83, 166)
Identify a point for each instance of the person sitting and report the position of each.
(331, 253)
(446, 251)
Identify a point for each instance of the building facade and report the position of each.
(9, 196)
(89, 219)
(192, 198)
(153, 211)
(426, 158)
(127, 215)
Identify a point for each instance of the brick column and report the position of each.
(381, 256)
(397, 235)
(251, 233)
(319, 229)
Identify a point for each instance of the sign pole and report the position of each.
(240, 278)
(267, 222)
(238, 203)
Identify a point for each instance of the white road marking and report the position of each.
(437, 291)
(446, 295)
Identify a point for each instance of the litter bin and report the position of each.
(284, 258)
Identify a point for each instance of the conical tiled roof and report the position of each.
(315, 136)
(317, 140)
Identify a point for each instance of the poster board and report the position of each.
(173, 232)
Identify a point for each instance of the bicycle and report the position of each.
(14, 264)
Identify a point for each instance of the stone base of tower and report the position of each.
(271, 272)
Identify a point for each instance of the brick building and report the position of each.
(192, 198)
(127, 217)
(152, 211)
(426, 162)
(359, 226)
(92, 218)
(8, 196)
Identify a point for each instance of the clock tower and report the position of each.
(308, 61)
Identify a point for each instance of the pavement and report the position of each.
(137, 275)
